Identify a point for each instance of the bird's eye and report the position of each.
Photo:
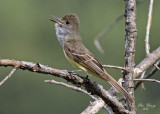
(67, 22)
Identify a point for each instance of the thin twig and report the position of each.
(80, 90)
(105, 31)
(116, 67)
(8, 76)
(71, 87)
(107, 109)
(148, 27)
(157, 66)
(150, 80)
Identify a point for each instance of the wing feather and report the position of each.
(84, 57)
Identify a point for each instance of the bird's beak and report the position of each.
(57, 20)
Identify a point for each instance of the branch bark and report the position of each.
(131, 35)
(94, 107)
(93, 88)
(147, 62)
(151, 73)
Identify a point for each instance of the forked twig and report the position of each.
(153, 71)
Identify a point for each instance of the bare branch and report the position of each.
(130, 43)
(149, 80)
(71, 87)
(147, 46)
(8, 76)
(147, 62)
(80, 90)
(39, 68)
(116, 67)
(151, 73)
(92, 88)
(148, 27)
(94, 107)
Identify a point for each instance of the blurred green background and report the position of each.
(27, 34)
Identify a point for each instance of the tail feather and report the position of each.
(114, 83)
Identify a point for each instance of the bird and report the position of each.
(67, 32)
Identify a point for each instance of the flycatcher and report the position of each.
(77, 54)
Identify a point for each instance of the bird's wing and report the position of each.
(84, 57)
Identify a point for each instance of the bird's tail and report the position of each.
(114, 83)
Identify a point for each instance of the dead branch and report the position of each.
(80, 90)
(151, 73)
(71, 87)
(148, 27)
(94, 107)
(93, 88)
(130, 43)
(147, 62)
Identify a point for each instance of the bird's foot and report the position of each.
(87, 80)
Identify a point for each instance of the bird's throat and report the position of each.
(61, 33)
